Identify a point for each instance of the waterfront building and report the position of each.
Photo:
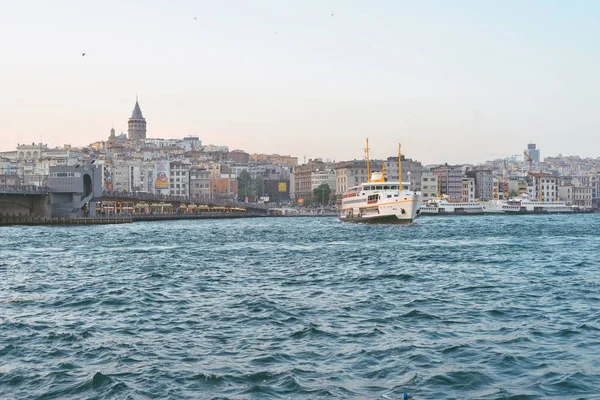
(136, 124)
(180, 178)
(320, 177)
(496, 189)
(200, 183)
(303, 178)
(544, 186)
(575, 195)
(132, 175)
(582, 196)
(277, 189)
(350, 173)
(32, 152)
(9, 181)
(450, 180)
(592, 180)
(484, 183)
(429, 185)
(120, 177)
(264, 171)
(565, 193)
(32, 162)
(223, 188)
(411, 171)
(468, 189)
(517, 186)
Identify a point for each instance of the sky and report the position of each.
(452, 81)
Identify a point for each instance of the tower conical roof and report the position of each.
(137, 113)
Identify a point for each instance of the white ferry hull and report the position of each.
(503, 207)
(467, 209)
(395, 211)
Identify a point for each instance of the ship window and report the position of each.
(389, 196)
(378, 187)
(404, 187)
(386, 187)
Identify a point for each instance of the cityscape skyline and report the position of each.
(456, 83)
(136, 113)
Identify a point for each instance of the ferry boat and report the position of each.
(444, 207)
(524, 205)
(380, 201)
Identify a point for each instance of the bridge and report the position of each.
(177, 201)
(35, 201)
(25, 200)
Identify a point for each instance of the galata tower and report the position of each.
(137, 124)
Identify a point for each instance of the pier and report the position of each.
(28, 220)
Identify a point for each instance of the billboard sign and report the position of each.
(282, 187)
(161, 176)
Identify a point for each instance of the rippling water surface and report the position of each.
(303, 308)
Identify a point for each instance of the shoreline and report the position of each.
(37, 221)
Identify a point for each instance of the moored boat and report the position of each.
(444, 207)
(524, 205)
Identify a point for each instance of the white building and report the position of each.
(188, 143)
(544, 187)
(327, 176)
(128, 175)
(180, 178)
(32, 162)
(429, 185)
(349, 174)
(574, 195)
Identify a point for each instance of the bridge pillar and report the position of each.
(35, 205)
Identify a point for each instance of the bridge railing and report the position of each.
(163, 197)
(24, 189)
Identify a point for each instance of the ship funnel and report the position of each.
(377, 177)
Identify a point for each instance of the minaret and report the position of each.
(137, 124)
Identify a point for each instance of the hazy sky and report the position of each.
(454, 81)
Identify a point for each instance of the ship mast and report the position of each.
(399, 168)
(368, 162)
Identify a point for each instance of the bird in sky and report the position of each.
(276, 33)
(196, 19)
(82, 54)
(332, 15)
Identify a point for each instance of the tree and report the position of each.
(321, 194)
(245, 186)
(307, 203)
(274, 197)
(259, 187)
